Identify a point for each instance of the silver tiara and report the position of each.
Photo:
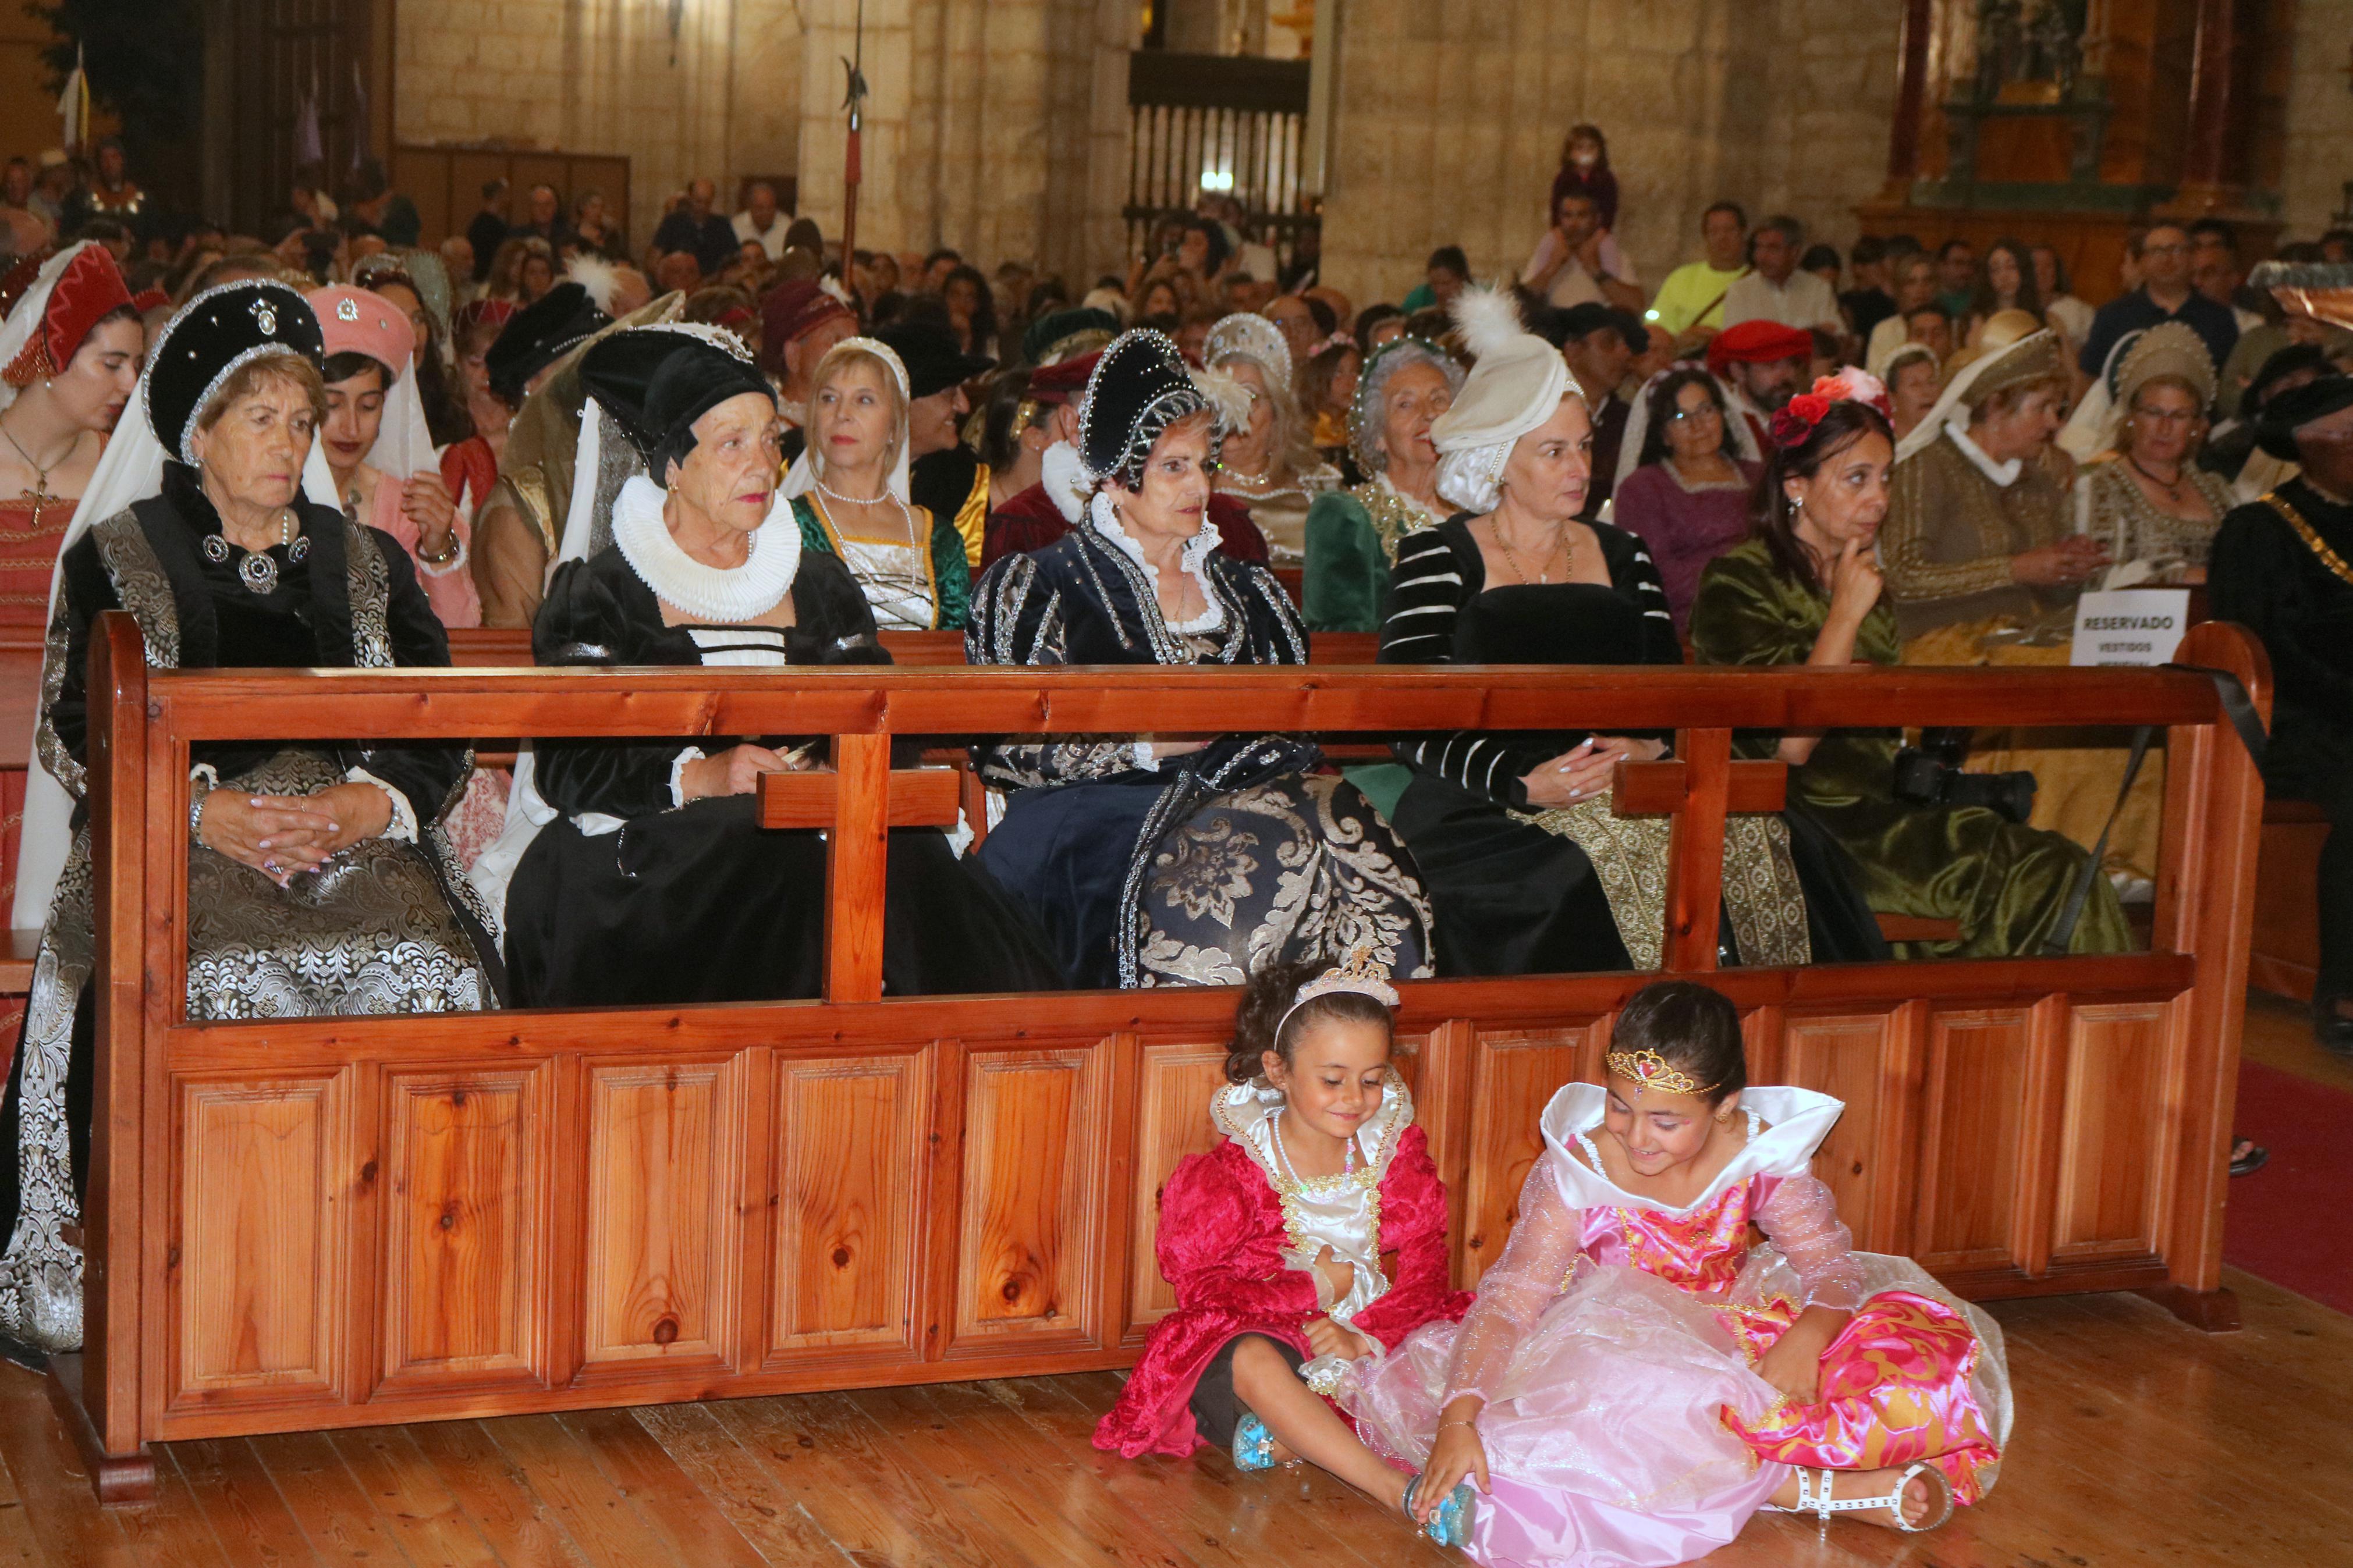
(1360, 972)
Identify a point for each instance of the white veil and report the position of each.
(1638, 422)
(129, 469)
(2091, 429)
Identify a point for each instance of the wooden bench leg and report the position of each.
(116, 1478)
(2213, 1311)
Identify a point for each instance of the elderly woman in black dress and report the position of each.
(1159, 862)
(318, 883)
(654, 882)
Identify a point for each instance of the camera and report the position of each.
(1930, 775)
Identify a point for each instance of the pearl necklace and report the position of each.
(904, 515)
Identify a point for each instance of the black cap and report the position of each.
(934, 361)
(213, 334)
(540, 334)
(1140, 388)
(656, 380)
(2292, 410)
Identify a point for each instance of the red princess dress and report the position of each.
(1239, 1232)
(1616, 1343)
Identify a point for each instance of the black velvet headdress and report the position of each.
(213, 334)
(2290, 411)
(1140, 388)
(538, 336)
(656, 380)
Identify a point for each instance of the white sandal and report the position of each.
(1823, 1507)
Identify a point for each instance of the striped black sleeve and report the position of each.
(1426, 594)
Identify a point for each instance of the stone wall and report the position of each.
(997, 127)
(722, 99)
(1451, 121)
(2319, 118)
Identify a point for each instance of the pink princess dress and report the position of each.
(1616, 1343)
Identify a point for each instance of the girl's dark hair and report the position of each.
(1693, 1027)
(1000, 435)
(1576, 133)
(1982, 302)
(983, 306)
(1268, 998)
(1846, 423)
(1369, 318)
(350, 362)
(1662, 407)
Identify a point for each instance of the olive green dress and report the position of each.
(2004, 883)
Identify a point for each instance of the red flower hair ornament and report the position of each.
(1797, 418)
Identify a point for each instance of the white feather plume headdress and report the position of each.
(601, 278)
(1488, 319)
(1229, 400)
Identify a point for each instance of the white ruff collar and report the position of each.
(1189, 558)
(722, 596)
(1797, 1120)
(2003, 474)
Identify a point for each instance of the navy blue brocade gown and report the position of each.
(628, 898)
(1190, 870)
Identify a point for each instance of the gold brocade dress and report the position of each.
(2004, 883)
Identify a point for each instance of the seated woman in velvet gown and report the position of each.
(1157, 860)
(318, 880)
(654, 881)
(1807, 590)
(1528, 868)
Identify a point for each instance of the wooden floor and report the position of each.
(2139, 1441)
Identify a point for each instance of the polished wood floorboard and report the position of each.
(2139, 1441)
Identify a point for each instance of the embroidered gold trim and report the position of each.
(2312, 540)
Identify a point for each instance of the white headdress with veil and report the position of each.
(131, 469)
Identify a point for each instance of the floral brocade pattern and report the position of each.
(1761, 891)
(1299, 867)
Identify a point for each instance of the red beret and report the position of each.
(790, 309)
(1758, 342)
(1064, 382)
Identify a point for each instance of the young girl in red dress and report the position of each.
(1274, 1241)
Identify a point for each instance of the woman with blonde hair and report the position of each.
(848, 491)
(1269, 461)
(2145, 497)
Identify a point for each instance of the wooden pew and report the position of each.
(338, 1222)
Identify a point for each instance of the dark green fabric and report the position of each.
(952, 578)
(2006, 884)
(1347, 571)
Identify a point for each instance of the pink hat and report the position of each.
(354, 321)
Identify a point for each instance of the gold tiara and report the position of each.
(1361, 972)
(1649, 1069)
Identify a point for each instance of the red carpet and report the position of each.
(2291, 1222)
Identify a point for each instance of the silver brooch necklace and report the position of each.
(258, 570)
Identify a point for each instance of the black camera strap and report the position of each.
(2237, 707)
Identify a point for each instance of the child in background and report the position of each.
(1636, 1379)
(1273, 1242)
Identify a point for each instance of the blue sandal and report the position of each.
(1253, 1444)
(1451, 1525)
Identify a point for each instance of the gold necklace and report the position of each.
(41, 496)
(1561, 545)
(2311, 537)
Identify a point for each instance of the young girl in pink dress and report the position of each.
(1636, 1379)
(1273, 1241)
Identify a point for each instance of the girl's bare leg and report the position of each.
(1306, 1426)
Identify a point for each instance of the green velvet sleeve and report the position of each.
(951, 575)
(813, 535)
(1746, 612)
(1347, 573)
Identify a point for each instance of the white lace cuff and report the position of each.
(402, 825)
(678, 774)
